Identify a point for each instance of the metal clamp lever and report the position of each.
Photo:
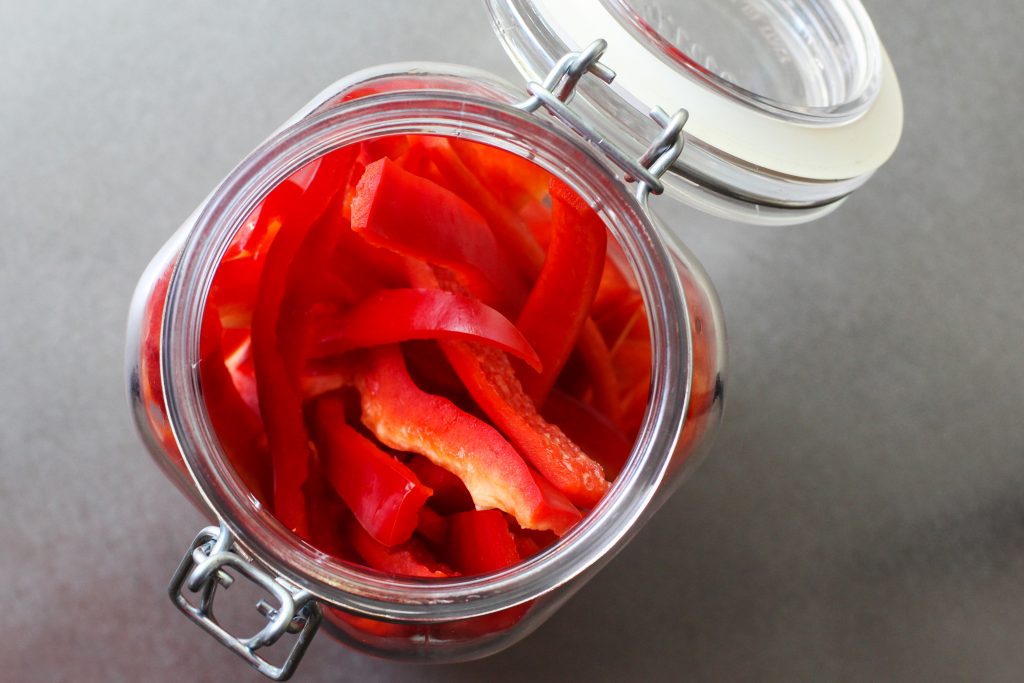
(558, 89)
(202, 570)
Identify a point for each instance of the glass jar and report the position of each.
(468, 617)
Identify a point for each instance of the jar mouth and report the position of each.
(589, 543)
(811, 62)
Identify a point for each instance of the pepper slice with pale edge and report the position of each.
(405, 418)
(492, 382)
(384, 495)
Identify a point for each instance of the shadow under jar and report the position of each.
(465, 617)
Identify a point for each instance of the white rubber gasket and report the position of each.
(847, 150)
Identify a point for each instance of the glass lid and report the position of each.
(793, 103)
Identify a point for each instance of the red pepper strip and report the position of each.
(396, 315)
(450, 494)
(150, 379)
(280, 401)
(232, 290)
(616, 316)
(526, 546)
(384, 495)
(327, 518)
(364, 267)
(479, 542)
(559, 304)
(513, 180)
(432, 526)
(538, 219)
(238, 430)
(511, 231)
(517, 241)
(594, 432)
(240, 365)
(595, 354)
(407, 419)
(491, 381)
(412, 558)
(433, 373)
(415, 217)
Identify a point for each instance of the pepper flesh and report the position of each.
(405, 418)
(565, 289)
(393, 207)
(397, 315)
(384, 495)
(280, 400)
(491, 381)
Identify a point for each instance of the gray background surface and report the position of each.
(861, 518)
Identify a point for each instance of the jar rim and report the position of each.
(593, 540)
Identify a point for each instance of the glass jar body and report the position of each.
(387, 626)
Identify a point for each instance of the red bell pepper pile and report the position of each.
(418, 353)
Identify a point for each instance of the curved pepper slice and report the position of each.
(405, 418)
(479, 541)
(280, 401)
(513, 180)
(559, 304)
(395, 209)
(592, 430)
(384, 495)
(509, 229)
(396, 315)
(491, 381)
(239, 429)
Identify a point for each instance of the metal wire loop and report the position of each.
(202, 570)
(557, 90)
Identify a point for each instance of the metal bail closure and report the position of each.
(203, 569)
(557, 90)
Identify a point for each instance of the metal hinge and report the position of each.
(204, 568)
(557, 90)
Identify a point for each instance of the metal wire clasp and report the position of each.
(558, 89)
(203, 569)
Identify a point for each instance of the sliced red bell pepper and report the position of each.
(479, 541)
(559, 303)
(396, 315)
(450, 494)
(513, 180)
(239, 431)
(432, 527)
(510, 230)
(411, 558)
(395, 209)
(405, 418)
(279, 396)
(598, 436)
(432, 372)
(598, 359)
(491, 381)
(384, 495)
(328, 517)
